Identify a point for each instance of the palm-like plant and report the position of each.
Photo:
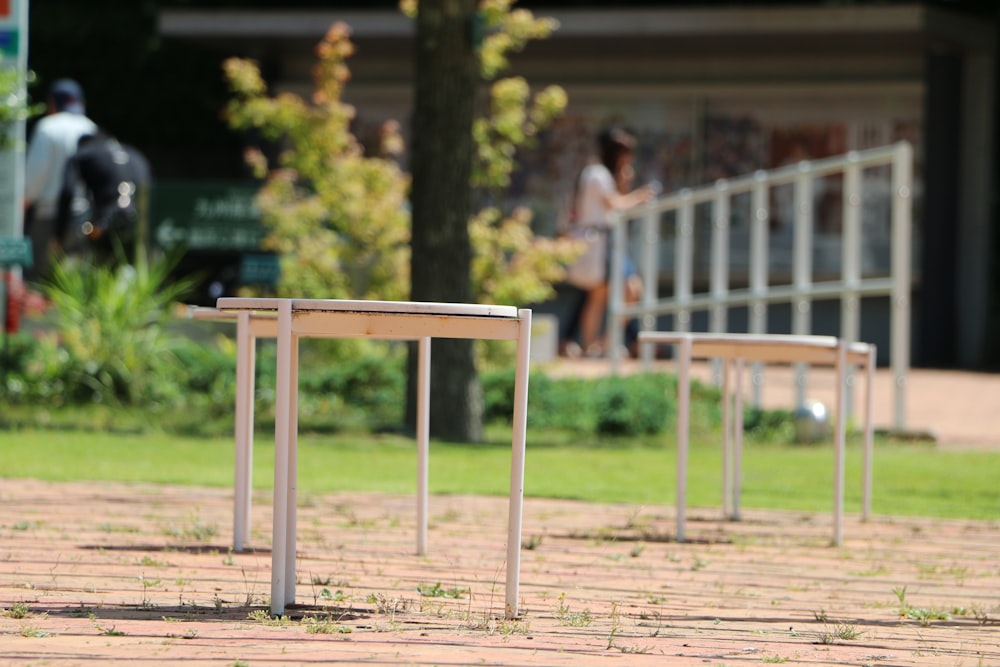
(111, 322)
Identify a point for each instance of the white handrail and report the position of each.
(763, 288)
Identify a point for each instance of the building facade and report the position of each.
(721, 91)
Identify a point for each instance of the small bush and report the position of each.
(772, 425)
(637, 405)
(372, 385)
(640, 404)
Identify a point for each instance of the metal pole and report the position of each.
(720, 257)
(650, 280)
(616, 300)
(758, 270)
(850, 270)
(423, 439)
(683, 264)
(902, 231)
(802, 268)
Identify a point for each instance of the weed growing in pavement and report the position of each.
(635, 649)
(17, 610)
(982, 615)
(194, 530)
(616, 624)
(922, 615)
(840, 632)
(507, 627)
(264, 618)
(386, 605)
(437, 591)
(926, 616)
(335, 596)
(532, 543)
(575, 619)
(874, 571)
(324, 626)
(106, 631)
(190, 633)
(112, 528)
(900, 593)
(146, 585)
(29, 630)
(250, 598)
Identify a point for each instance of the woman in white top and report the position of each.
(605, 187)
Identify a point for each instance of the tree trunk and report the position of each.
(447, 74)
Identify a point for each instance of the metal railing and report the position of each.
(795, 284)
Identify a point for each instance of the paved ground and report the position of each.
(95, 574)
(111, 573)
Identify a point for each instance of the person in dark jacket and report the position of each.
(104, 193)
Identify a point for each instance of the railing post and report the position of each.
(720, 257)
(850, 269)
(683, 262)
(616, 297)
(802, 267)
(650, 279)
(902, 189)
(719, 286)
(758, 270)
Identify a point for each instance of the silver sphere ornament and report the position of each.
(812, 422)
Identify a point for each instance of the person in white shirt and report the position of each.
(605, 187)
(54, 140)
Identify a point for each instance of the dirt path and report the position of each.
(109, 573)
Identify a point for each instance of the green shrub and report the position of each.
(367, 390)
(38, 371)
(636, 405)
(769, 425)
(552, 403)
(639, 404)
(111, 324)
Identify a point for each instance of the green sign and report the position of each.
(207, 216)
(15, 252)
(259, 269)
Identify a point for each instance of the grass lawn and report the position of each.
(909, 479)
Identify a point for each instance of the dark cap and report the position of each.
(67, 95)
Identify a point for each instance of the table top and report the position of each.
(429, 308)
(808, 340)
(760, 347)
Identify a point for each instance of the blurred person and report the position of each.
(105, 188)
(54, 140)
(604, 187)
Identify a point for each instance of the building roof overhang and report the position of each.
(910, 20)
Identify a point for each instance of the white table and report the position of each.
(735, 349)
(293, 319)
